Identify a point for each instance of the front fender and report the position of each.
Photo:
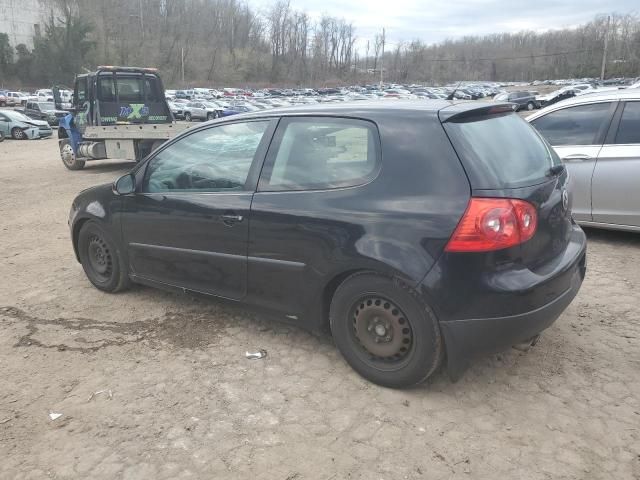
(100, 205)
(67, 125)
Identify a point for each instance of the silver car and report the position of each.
(201, 110)
(597, 136)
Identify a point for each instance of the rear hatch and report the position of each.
(504, 157)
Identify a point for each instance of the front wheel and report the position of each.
(210, 116)
(68, 156)
(187, 117)
(18, 134)
(385, 331)
(100, 258)
(530, 106)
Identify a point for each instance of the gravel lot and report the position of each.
(186, 403)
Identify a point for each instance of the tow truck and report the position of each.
(115, 113)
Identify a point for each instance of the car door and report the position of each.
(299, 217)
(576, 134)
(202, 111)
(616, 178)
(187, 224)
(4, 125)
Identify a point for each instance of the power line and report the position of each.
(539, 55)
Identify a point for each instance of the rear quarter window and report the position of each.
(501, 151)
(315, 153)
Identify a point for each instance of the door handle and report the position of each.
(577, 157)
(230, 219)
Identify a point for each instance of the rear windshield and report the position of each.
(501, 151)
(130, 89)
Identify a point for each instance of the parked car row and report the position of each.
(17, 125)
(467, 91)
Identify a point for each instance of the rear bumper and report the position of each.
(506, 308)
(467, 338)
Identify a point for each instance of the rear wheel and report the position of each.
(100, 258)
(187, 117)
(530, 106)
(385, 331)
(210, 116)
(68, 156)
(18, 134)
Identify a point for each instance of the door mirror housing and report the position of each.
(125, 185)
(57, 98)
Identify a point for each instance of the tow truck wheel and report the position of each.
(18, 134)
(68, 156)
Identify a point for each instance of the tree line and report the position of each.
(228, 42)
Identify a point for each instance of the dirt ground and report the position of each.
(181, 401)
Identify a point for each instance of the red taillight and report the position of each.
(493, 224)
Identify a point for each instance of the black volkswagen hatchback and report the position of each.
(417, 232)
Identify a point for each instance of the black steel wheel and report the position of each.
(385, 330)
(382, 330)
(101, 259)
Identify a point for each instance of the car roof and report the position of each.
(593, 97)
(364, 108)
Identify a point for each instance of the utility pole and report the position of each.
(182, 64)
(606, 47)
(366, 60)
(382, 60)
(141, 19)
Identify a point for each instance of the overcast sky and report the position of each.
(437, 20)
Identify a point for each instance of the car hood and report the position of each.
(35, 123)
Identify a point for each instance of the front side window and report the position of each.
(80, 95)
(579, 125)
(217, 159)
(629, 128)
(321, 153)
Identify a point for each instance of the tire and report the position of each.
(18, 134)
(101, 259)
(187, 117)
(530, 106)
(210, 116)
(411, 347)
(1, 137)
(68, 156)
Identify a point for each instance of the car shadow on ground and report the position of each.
(99, 167)
(614, 237)
(197, 322)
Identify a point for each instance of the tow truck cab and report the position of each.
(116, 112)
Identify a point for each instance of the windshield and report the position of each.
(501, 151)
(16, 116)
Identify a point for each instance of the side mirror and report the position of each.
(125, 185)
(57, 98)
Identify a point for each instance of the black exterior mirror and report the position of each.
(57, 98)
(125, 185)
